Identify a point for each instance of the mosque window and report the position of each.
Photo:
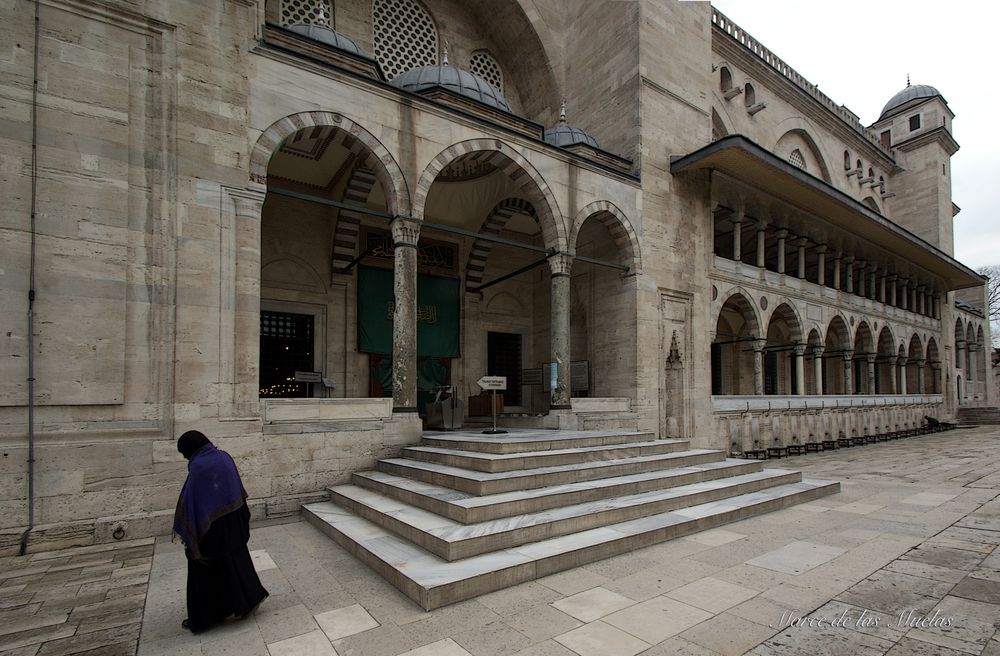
(797, 159)
(725, 79)
(914, 122)
(847, 161)
(885, 138)
(485, 66)
(749, 97)
(309, 12)
(405, 36)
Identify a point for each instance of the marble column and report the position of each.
(913, 299)
(800, 369)
(782, 234)
(848, 373)
(901, 363)
(849, 275)
(738, 238)
(761, 245)
(936, 306)
(836, 271)
(920, 376)
(921, 300)
(758, 366)
(405, 235)
(881, 288)
(903, 296)
(892, 374)
(892, 290)
(560, 266)
(821, 265)
(870, 383)
(872, 282)
(817, 353)
(239, 312)
(802, 259)
(862, 288)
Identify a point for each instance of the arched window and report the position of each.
(871, 173)
(847, 161)
(860, 168)
(797, 159)
(405, 36)
(485, 66)
(749, 97)
(725, 79)
(309, 12)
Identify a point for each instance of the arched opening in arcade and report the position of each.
(836, 353)
(932, 374)
(915, 366)
(783, 353)
(737, 331)
(885, 363)
(864, 360)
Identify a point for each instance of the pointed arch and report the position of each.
(345, 234)
(372, 154)
(785, 311)
(517, 168)
(618, 226)
(798, 134)
(494, 223)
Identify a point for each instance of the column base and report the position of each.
(560, 407)
(404, 409)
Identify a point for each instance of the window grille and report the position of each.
(309, 12)
(405, 36)
(485, 66)
(797, 159)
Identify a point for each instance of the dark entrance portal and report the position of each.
(504, 359)
(286, 346)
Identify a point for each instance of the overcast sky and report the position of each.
(859, 54)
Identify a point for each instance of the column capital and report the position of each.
(758, 345)
(561, 264)
(799, 349)
(848, 356)
(782, 233)
(849, 260)
(405, 231)
(901, 362)
(817, 351)
(893, 277)
(921, 362)
(870, 358)
(247, 202)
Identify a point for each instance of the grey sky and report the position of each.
(859, 54)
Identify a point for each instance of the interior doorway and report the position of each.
(503, 358)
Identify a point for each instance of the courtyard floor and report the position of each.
(905, 560)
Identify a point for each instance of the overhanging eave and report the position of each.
(743, 160)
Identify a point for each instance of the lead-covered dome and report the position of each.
(564, 134)
(327, 36)
(907, 95)
(453, 79)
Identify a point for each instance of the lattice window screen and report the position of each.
(797, 159)
(405, 36)
(485, 66)
(310, 12)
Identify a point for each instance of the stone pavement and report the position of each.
(905, 560)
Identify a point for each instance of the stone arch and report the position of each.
(372, 154)
(348, 228)
(798, 131)
(719, 128)
(837, 344)
(885, 357)
(494, 224)
(934, 368)
(517, 168)
(619, 227)
(739, 298)
(287, 271)
(785, 310)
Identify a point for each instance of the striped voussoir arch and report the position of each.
(345, 237)
(493, 225)
(619, 229)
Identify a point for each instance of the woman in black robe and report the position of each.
(213, 521)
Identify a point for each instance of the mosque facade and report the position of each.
(291, 224)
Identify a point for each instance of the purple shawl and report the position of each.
(212, 489)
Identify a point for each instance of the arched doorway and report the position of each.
(736, 332)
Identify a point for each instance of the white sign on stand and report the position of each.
(492, 384)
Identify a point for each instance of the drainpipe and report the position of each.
(31, 298)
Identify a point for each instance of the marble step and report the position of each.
(520, 441)
(453, 540)
(469, 508)
(482, 483)
(504, 462)
(433, 582)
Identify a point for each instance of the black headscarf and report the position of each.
(190, 442)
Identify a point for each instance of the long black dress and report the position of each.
(224, 582)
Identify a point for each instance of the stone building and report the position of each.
(286, 222)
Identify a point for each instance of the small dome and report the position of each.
(567, 135)
(911, 92)
(325, 35)
(564, 134)
(453, 79)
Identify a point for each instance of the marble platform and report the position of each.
(464, 514)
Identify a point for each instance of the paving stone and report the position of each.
(657, 619)
(956, 623)
(592, 604)
(494, 639)
(83, 642)
(385, 640)
(797, 557)
(446, 647)
(313, 643)
(541, 622)
(978, 589)
(600, 639)
(573, 581)
(728, 634)
(344, 622)
(712, 594)
(934, 554)
(911, 647)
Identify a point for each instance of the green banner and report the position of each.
(437, 313)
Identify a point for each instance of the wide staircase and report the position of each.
(978, 415)
(464, 514)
